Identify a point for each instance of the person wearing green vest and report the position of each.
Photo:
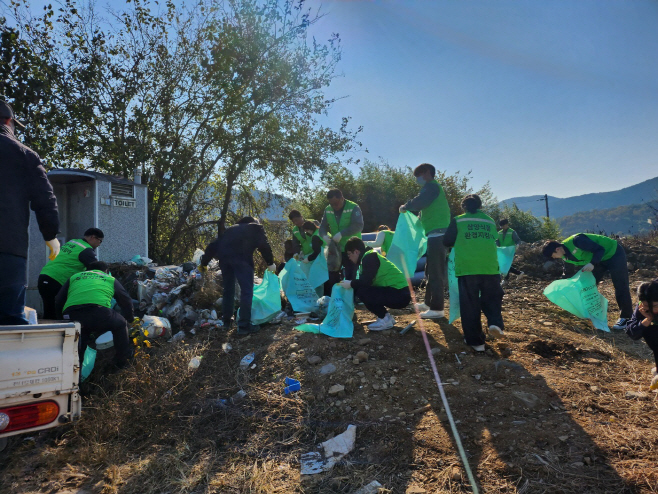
(599, 254)
(87, 297)
(74, 256)
(432, 205)
(300, 241)
(383, 240)
(473, 236)
(342, 219)
(379, 283)
(506, 238)
(312, 233)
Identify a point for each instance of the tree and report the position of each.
(207, 99)
(528, 226)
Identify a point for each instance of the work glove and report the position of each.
(336, 238)
(201, 268)
(347, 284)
(326, 238)
(272, 268)
(402, 209)
(306, 261)
(53, 245)
(588, 268)
(296, 257)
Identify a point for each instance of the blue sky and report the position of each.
(556, 97)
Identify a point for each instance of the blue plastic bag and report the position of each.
(338, 322)
(579, 296)
(505, 258)
(88, 363)
(453, 289)
(267, 299)
(301, 294)
(316, 271)
(409, 244)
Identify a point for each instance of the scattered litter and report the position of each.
(238, 397)
(153, 327)
(180, 336)
(292, 385)
(227, 347)
(371, 488)
(458, 361)
(194, 363)
(246, 360)
(408, 327)
(332, 451)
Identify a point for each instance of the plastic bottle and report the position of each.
(247, 360)
(194, 363)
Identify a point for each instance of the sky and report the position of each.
(536, 97)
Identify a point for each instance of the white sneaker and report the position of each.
(496, 332)
(382, 324)
(478, 348)
(422, 307)
(432, 314)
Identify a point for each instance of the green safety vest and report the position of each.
(388, 273)
(304, 240)
(90, 287)
(388, 240)
(345, 220)
(475, 246)
(505, 238)
(437, 214)
(66, 264)
(584, 256)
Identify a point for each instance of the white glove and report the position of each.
(272, 268)
(326, 238)
(305, 261)
(402, 209)
(589, 267)
(53, 245)
(336, 238)
(347, 284)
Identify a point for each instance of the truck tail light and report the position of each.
(28, 416)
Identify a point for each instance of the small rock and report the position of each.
(375, 386)
(528, 398)
(435, 351)
(356, 361)
(563, 438)
(336, 389)
(363, 341)
(314, 359)
(392, 380)
(456, 474)
(499, 385)
(293, 346)
(637, 395)
(577, 464)
(587, 460)
(415, 490)
(362, 356)
(594, 389)
(327, 369)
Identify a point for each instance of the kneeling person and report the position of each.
(379, 283)
(87, 298)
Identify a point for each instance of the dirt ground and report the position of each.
(556, 407)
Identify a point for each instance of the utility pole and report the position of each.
(545, 199)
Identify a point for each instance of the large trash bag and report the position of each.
(267, 299)
(88, 363)
(505, 258)
(301, 294)
(409, 244)
(453, 289)
(338, 321)
(316, 271)
(579, 296)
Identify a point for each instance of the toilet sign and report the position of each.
(124, 203)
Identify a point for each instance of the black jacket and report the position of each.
(238, 243)
(23, 185)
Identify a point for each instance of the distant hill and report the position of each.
(635, 194)
(623, 220)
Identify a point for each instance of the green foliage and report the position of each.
(527, 226)
(380, 189)
(208, 99)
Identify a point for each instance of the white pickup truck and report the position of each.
(39, 376)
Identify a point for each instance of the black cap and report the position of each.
(6, 111)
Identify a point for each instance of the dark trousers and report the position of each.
(651, 337)
(479, 292)
(98, 320)
(618, 268)
(512, 270)
(243, 273)
(13, 281)
(436, 273)
(335, 276)
(48, 289)
(378, 298)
